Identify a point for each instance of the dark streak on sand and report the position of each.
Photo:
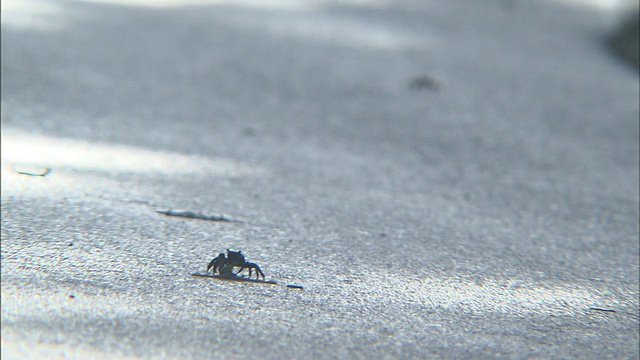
(235, 278)
(601, 309)
(31, 170)
(194, 215)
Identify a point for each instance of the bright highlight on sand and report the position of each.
(23, 148)
(513, 298)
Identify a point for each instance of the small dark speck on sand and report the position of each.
(424, 82)
(298, 287)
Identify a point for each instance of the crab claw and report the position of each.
(216, 263)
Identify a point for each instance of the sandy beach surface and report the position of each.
(436, 179)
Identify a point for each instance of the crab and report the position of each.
(224, 265)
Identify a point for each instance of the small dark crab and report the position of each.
(224, 265)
